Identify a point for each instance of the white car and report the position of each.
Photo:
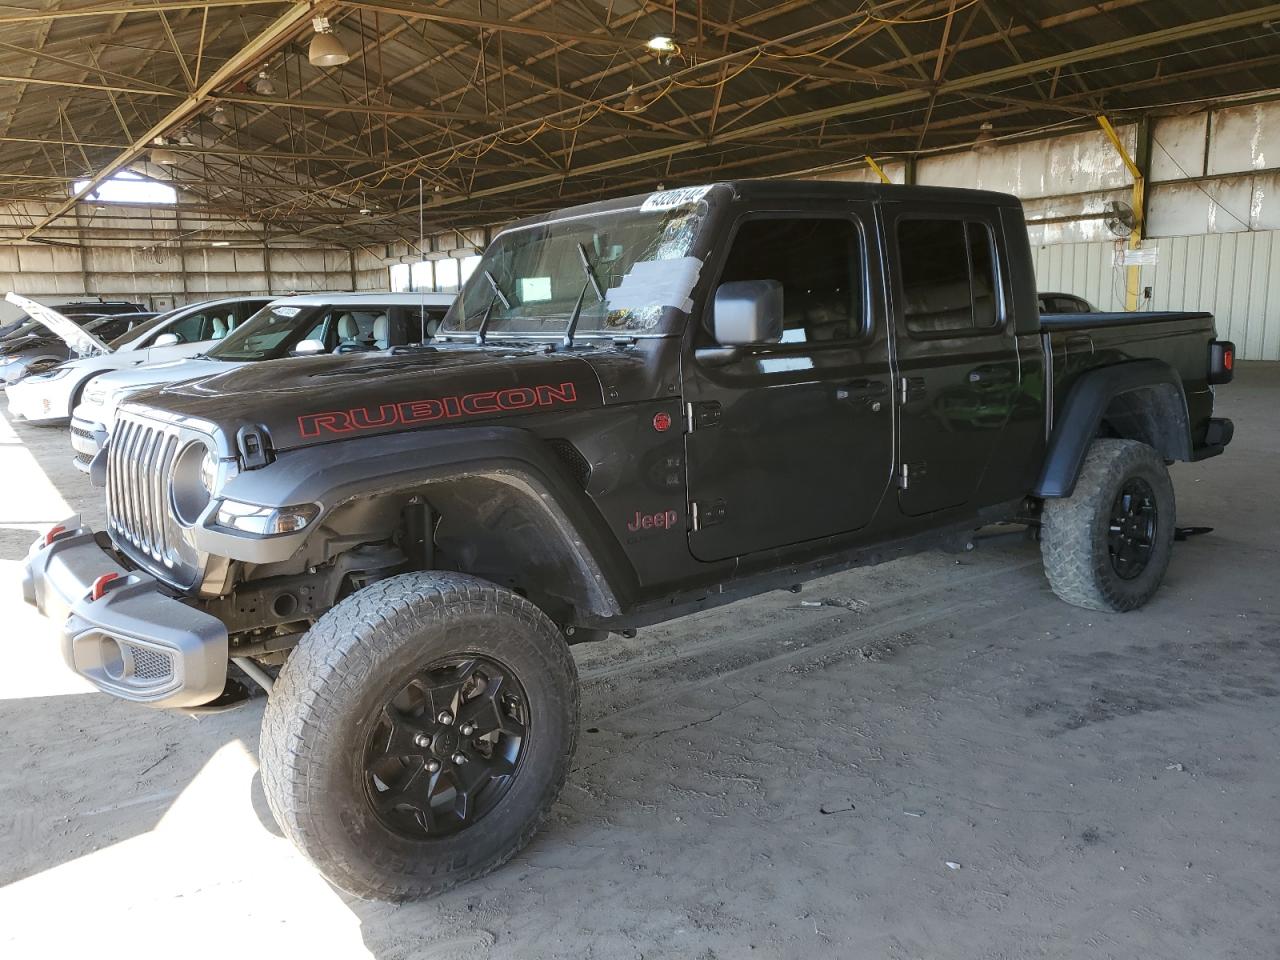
(291, 326)
(52, 395)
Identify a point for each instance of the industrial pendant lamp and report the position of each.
(326, 50)
(635, 103)
(161, 155)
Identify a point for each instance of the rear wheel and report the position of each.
(1107, 546)
(420, 733)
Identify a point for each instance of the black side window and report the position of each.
(818, 261)
(948, 276)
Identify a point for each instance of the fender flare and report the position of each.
(333, 474)
(1081, 414)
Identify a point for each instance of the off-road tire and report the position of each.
(315, 728)
(1074, 530)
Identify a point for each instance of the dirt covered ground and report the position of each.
(931, 759)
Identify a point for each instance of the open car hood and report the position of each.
(71, 333)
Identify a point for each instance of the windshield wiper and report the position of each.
(498, 296)
(594, 283)
(497, 291)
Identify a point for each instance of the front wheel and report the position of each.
(1107, 546)
(419, 734)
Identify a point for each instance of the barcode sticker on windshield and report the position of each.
(670, 199)
(535, 289)
(287, 311)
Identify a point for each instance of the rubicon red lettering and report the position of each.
(411, 412)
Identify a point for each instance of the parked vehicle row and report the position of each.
(635, 409)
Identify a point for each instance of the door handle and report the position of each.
(862, 390)
(991, 375)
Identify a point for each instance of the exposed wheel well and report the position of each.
(1155, 415)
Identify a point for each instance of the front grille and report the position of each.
(149, 664)
(85, 458)
(139, 461)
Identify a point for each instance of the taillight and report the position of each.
(53, 534)
(1222, 361)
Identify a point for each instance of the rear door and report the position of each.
(791, 442)
(957, 358)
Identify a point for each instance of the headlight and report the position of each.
(265, 521)
(209, 472)
(55, 374)
(192, 481)
(95, 395)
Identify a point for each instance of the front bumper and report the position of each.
(138, 641)
(87, 440)
(31, 401)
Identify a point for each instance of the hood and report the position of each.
(71, 333)
(27, 341)
(157, 374)
(307, 400)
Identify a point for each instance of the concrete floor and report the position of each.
(772, 779)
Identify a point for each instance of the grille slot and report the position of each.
(150, 664)
(571, 456)
(139, 460)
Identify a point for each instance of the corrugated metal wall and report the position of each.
(1235, 276)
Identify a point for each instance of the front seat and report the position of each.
(381, 332)
(348, 331)
(219, 328)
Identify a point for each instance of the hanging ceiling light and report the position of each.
(161, 155)
(263, 85)
(221, 118)
(664, 47)
(985, 141)
(326, 50)
(634, 103)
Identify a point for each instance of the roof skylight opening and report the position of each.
(126, 187)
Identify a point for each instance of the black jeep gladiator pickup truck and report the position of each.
(635, 409)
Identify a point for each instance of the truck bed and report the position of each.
(1053, 322)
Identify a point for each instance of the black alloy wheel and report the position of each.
(446, 747)
(1132, 530)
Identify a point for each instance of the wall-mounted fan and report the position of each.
(1119, 217)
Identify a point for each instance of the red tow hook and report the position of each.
(103, 584)
(54, 534)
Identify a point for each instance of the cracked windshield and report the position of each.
(608, 273)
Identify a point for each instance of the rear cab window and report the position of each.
(947, 277)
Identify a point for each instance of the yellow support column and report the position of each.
(871, 162)
(1133, 272)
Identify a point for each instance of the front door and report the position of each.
(958, 374)
(793, 441)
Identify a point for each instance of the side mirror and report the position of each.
(167, 340)
(308, 348)
(748, 312)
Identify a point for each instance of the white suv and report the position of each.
(290, 326)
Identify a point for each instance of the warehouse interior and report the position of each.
(927, 758)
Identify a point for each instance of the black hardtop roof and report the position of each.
(800, 190)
